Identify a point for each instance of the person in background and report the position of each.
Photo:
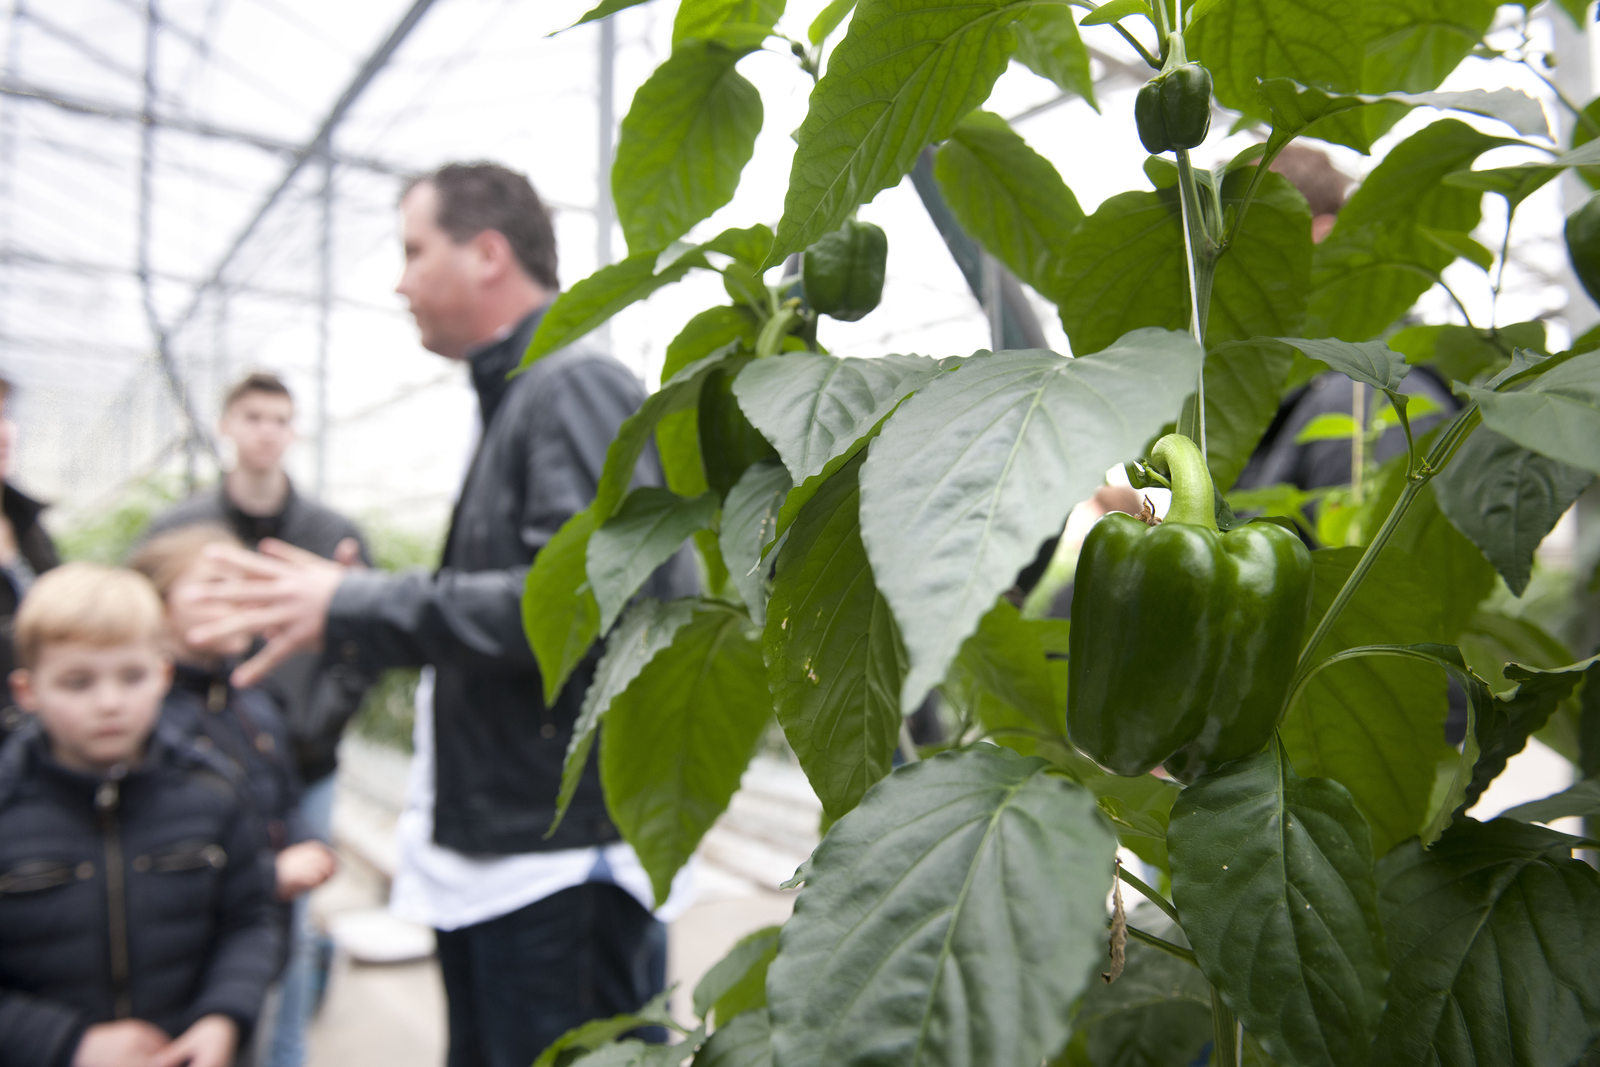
(134, 883)
(25, 553)
(240, 725)
(257, 501)
(537, 933)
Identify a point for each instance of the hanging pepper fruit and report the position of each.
(1183, 637)
(1583, 245)
(728, 443)
(843, 271)
(1173, 110)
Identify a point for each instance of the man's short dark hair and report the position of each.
(474, 197)
(259, 382)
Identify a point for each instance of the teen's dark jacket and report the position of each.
(318, 700)
(38, 554)
(498, 748)
(139, 896)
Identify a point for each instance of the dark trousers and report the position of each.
(516, 983)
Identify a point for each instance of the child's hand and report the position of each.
(304, 866)
(124, 1043)
(210, 1042)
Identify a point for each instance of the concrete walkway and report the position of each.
(393, 1014)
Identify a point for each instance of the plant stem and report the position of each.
(1150, 894)
(1200, 257)
(908, 744)
(1224, 1030)
(1443, 450)
(774, 329)
(1165, 946)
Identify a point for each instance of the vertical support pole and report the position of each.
(604, 209)
(324, 318)
(994, 307)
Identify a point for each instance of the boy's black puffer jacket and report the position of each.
(144, 896)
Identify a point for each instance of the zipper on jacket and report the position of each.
(106, 801)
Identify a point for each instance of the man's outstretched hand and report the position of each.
(281, 593)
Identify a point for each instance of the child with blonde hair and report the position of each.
(135, 886)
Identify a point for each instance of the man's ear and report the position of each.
(22, 689)
(495, 258)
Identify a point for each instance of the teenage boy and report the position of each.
(134, 884)
(26, 552)
(256, 500)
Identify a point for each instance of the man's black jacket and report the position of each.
(145, 896)
(317, 702)
(38, 554)
(497, 748)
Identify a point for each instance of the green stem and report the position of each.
(1149, 894)
(1193, 498)
(1443, 450)
(1165, 946)
(1200, 255)
(1344, 655)
(775, 328)
(1262, 168)
(1583, 119)
(1155, 63)
(1224, 1032)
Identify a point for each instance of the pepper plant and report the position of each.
(1318, 895)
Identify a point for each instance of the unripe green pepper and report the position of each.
(728, 443)
(843, 271)
(1173, 110)
(1184, 638)
(1583, 245)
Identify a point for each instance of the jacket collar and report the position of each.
(22, 509)
(26, 752)
(495, 360)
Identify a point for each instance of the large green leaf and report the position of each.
(1556, 414)
(1244, 383)
(678, 434)
(646, 530)
(1297, 108)
(1124, 268)
(1494, 934)
(605, 8)
(647, 628)
(983, 464)
(1049, 45)
(1374, 725)
(820, 411)
(749, 518)
(679, 737)
(1008, 197)
(1463, 353)
(737, 983)
(1582, 800)
(1505, 499)
(679, 393)
(1367, 46)
(950, 919)
(1001, 680)
(559, 614)
(598, 1032)
(1272, 876)
(604, 293)
(903, 76)
(683, 143)
(730, 21)
(1371, 362)
(1379, 257)
(1503, 725)
(835, 661)
(745, 1042)
(1157, 1014)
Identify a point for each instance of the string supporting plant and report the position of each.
(1320, 896)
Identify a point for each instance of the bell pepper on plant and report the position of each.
(1184, 638)
(1173, 110)
(1583, 245)
(843, 271)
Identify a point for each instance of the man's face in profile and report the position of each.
(439, 278)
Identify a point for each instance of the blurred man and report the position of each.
(25, 552)
(535, 936)
(257, 501)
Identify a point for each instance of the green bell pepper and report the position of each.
(1184, 638)
(1583, 245)
(843, 271)
(1173, 110)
